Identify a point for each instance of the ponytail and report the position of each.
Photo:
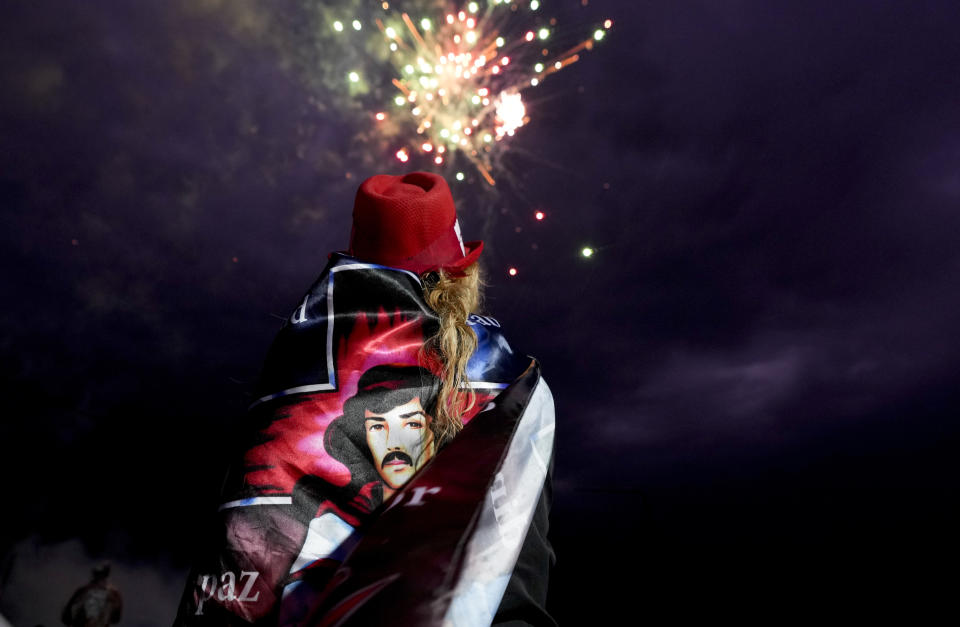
(454, 298)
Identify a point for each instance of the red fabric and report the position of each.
(409, 222)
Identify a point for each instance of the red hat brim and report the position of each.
(473, 253)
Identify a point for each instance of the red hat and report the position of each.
(409, 222)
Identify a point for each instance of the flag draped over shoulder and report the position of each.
(343, 509)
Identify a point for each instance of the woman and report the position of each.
(410, 222)
(374, 486)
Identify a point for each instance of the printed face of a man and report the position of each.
(401, 441)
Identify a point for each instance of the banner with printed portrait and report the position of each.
(341, 440)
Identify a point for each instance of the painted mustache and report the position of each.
(396, 455)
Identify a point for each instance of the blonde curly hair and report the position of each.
(453, 298)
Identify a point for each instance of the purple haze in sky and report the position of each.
(755, 374)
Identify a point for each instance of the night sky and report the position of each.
(755, 375)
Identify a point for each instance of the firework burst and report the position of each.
(460, 73)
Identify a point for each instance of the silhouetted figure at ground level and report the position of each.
(97, 604)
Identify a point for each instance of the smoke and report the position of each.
(39, 578)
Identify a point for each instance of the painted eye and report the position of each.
(376, 427)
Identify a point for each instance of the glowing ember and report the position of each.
(510, 113)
